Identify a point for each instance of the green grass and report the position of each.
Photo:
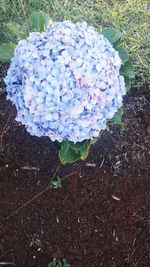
(131, 17)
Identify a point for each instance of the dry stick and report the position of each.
(41, 193)
(68, 175)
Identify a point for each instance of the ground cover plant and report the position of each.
(130, 17)
(57, 263)
(100, 215)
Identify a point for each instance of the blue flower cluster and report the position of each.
(65, 82)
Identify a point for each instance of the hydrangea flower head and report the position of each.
(65, 82)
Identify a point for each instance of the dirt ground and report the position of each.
(101, 214)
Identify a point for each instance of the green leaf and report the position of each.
(57, 145)
(54, 263)
(117, 118)
(127, 69)
(6, 51)
(68, 154)
(123, 54)
(56, 183)
(117, 43)
(127, 83)
(18, 30)
(71, 152)
(112, 34)
(77, 146)
(38, 20)
(65, 264)
(85, 150)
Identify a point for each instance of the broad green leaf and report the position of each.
(6, 51)
(117, 43)
(123, 54)
(57, 145)
(127, 83)
(85, 151)
(18, 30)
(38, 20)
(127, 69)
(77, 146)
(112, 34)
(117, 118)
(71, 152)
(67, 154)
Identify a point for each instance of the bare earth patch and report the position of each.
(99, 217)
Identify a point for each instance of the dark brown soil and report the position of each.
(99, 217)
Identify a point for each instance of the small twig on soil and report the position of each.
(102, 163)
(41, 193)
(90, 164)
(68, 175)
(28, 168)
(7, 263)
(2, 134)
